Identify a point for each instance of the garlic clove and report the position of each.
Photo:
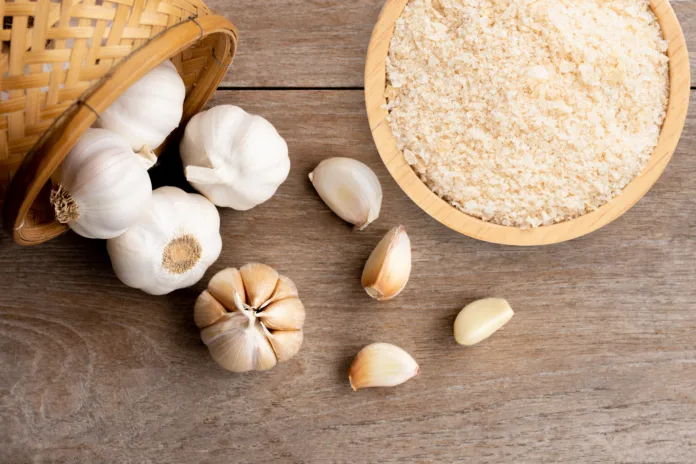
(285, 343)
(207, 310)
(260, 282)
(287, 314)
(224, 284)
(481, 319)
(239, 344)
(381, 365)
(350, 188)
(285, 288)
(388, 268)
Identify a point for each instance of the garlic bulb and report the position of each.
(102, 187)
(235, 159)
(250, 318)
(350, 188)
(381, 365)
(171, 247)
(149, 110)
(481, 319)
(389, 266)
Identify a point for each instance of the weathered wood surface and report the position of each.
(323, 43)
(598, 365)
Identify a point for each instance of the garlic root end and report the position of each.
(64, 205)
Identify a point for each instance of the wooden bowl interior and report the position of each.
(375, 84)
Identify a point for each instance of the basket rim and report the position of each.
(442, 211)
(54, 145)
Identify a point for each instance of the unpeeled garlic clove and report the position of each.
(239, 345)
(388, 268)
(481, 319)
(260, 282)
(285, 288)
(224, 284)
(287, 314)
(207, 310)
(286, 343)
(381, 365)
(350, 188)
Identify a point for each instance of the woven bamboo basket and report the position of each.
(64, 62)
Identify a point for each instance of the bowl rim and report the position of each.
(442, 211)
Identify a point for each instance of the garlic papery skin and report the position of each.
(171, 247)
(481, 319)
(149, 110)
(102, 188)
(388, 268)
(350, 188)
(251, 318)
(381, 365)
(235, 159)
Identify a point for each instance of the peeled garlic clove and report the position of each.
(389, 266)
(239, 344)
(207, 310)
(481, 319)
(260, 282)
(381, 365)
(287, 314)
(286, 343)
(350, 188)
(224, 284)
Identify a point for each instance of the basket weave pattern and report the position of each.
(53, 52)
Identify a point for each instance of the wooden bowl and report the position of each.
(63, 63)
(375, 83)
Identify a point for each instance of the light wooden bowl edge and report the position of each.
(442, 211)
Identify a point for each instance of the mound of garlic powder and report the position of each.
(527, 113)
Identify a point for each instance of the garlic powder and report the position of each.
(527, 112)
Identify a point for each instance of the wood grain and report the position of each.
(444, 212)
(323, 43)
(598, 365)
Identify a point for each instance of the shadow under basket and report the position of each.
(64, 63)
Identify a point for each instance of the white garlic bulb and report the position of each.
(235, 159)
(171, 247)
(350, 188)
(102, 188)
(149, 110)
(250, 318)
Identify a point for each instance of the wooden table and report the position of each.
(598, 365)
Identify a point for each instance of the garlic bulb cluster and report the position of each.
(171, 247)
(350, 188)
(381, 365)
(250, 318)
(388, 268)
(102, 187)
(481, 319)
(149, 110)
(235, 159)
